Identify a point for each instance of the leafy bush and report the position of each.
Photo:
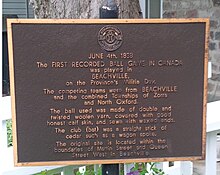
(42, 173)
(90, 171)
(147, 169)
(9, 132)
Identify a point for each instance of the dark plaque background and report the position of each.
(48, 43)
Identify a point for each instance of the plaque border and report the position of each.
(10, 22)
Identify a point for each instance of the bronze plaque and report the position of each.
(108, 91)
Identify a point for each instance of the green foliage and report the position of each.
(121, 169)
(142, 168)
(90, 171)
(87, 172)
(147, 169)
(42, 173)
(9, 132)
(78, 173)
(99, 172)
